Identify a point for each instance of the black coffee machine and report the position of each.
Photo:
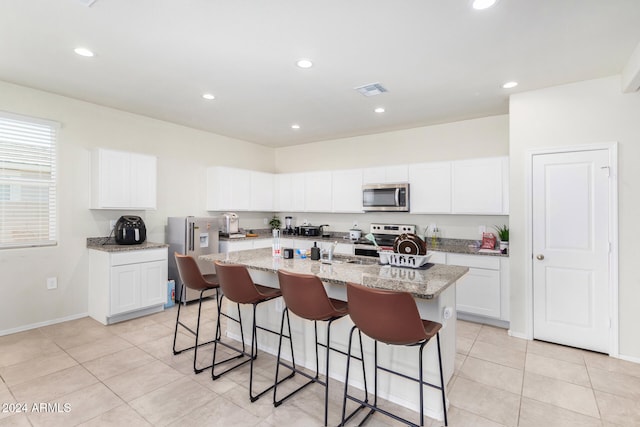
(130, 230)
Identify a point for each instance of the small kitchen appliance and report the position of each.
(385, 236)
(309, 230)
(385, 197)
(288, 230)
(228, 223)
(130, 230)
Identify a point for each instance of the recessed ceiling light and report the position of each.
(83, 51)
(208, 96)
(304, 63)
(483, 4)
(509, 85)
(295, 127)
(379, 110)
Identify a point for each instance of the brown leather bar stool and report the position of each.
(391, 318)
(305, 296)
(238, 287)
(192, 278)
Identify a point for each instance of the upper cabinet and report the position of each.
(480, 186)
(228, 189)
(430, 187)
(289, 192)
(122, 180)
(261, 191)
(385, 174)
(239, 189)
(474, 187)
(317, 190)
(347, 190)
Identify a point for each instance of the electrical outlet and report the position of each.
(52, 283)
(482, 229)
(112, 224)
(265, 221)
(305, 222)
(355, 224)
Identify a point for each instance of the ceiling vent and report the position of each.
(371, 89)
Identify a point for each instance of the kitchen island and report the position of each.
(431, 286)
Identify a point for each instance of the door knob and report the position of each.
(540, 257)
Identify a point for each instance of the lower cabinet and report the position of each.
(484, 291)
(124, 285)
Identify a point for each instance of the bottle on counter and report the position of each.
(315, 252)
(276, 243)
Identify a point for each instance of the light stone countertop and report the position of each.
(109, 245)
(427, 282)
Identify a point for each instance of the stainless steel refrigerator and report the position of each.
(188, 235)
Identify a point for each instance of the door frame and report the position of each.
(612, 148)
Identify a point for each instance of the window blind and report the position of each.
(27, 181)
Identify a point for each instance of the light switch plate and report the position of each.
(52, 283)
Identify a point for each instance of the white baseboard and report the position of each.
(517, 335)
(629, 358)
(41, 324)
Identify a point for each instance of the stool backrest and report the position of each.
(387, 316)
(190, 273)
(304, 295)
(236, 283)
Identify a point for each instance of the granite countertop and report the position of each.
(108, 244)
(426, 282)
(458, 246)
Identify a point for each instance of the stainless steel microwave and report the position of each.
(385, 197)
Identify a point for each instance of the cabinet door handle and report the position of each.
(540, 257)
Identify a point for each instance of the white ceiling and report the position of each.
(440, 60)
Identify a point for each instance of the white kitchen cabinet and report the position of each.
(226, 246)
(484, 291)
(289, 192)
(347, 190)
(385, 174)
(430, 188)
(239, 190)
(122, 180)
(262, 189)
(128, 284)
(317, 190)
(480, 186)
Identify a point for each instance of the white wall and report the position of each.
(183, 155)
(486, 137)
(594, 111)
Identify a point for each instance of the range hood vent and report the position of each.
(371, 89)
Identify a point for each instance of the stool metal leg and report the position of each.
(196, 332)
(363, 403)
(421, 383)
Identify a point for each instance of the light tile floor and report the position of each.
(126, 374)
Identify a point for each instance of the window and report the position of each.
(27, 181)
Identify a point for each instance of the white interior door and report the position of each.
(571, 248)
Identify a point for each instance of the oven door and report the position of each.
(385, 197)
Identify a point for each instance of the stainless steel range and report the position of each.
(385, 235)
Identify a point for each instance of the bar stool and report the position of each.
(305, 296)
(392, 318)
(192, 278)
(238, 287)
